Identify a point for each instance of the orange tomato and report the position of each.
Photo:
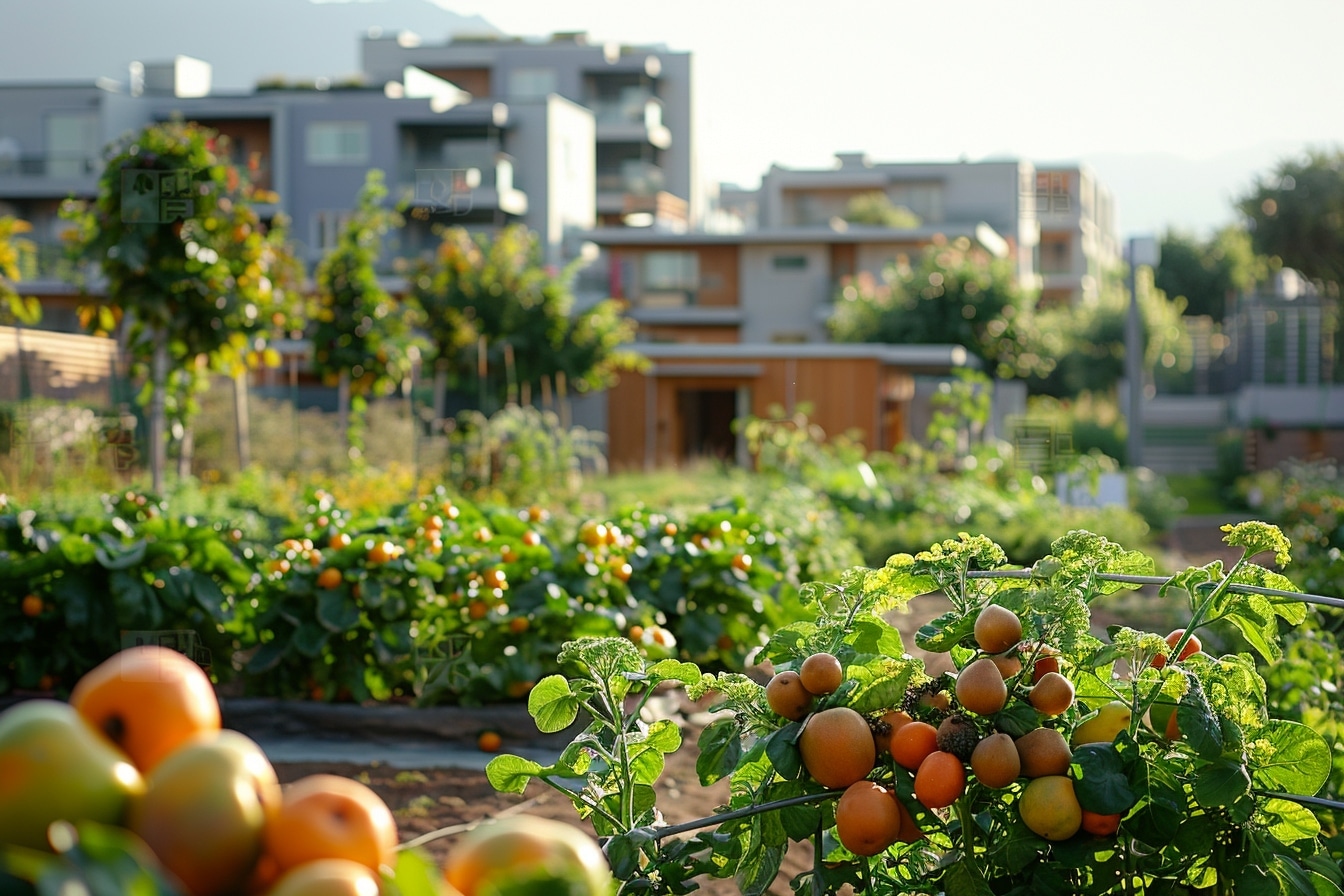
(326, 816)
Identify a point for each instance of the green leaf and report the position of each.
(673, 670)
(963, 878)
(623, 854)
(873, 635)
(720, 747)
(114, 557)
(943, 633)
(336, 611)
(1161, 808)
(1222, 782)
(781, 748)
(508, 773)
(310, 638)
(1299, 759)
(1198, 724)
(1016, 847)
(1100, 781)
(880, 683)
(1288, 821)
(414, 874)
(269, 655)
(552, 704)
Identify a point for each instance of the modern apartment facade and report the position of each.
(1078, 242)
(640, 96)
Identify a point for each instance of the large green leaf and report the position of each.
(336, 612)
(508, 773)
(1288, 821)
(1298, 760)
(552, 704)
(1222, 783)
(1100, 781)
(720, 746)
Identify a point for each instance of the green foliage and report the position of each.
(1296, 213)
(1208, 274)
(14, 250)
(877, 209)
(489, 304)
(1225, 806)
(951, 294)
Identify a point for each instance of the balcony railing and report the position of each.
(50, 165)
(632, 106)
(634, 177)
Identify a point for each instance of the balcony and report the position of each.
(634, 177)
(462, 178)
(49, 174)
(635, 115)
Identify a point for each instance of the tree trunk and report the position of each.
(242, 422)
(158, 417)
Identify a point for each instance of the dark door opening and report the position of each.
(707, 423)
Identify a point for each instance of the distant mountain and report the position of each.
(243, 40)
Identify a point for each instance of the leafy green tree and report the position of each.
(953, 294)
(187, 267)
(14, 250)
(361, 334)
(877, 208)
(490, 304)
(1209, 273)
(1297, 214)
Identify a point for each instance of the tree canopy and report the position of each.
(1207, 273)
(877, 208)
(13, 250)
(1296, 214)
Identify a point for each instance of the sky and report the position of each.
(1177, 104)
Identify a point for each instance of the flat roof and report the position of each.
(853, 233)
(895, 355)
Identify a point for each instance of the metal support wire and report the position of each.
(1320, 599)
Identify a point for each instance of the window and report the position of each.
(327, 227)
(669, 278)
(338, 143)
(72, 143)
(789, 262)
(1052, 192)
(531, 83)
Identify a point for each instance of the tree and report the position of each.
(187, 267)
(490, 304)
(952, 294)
(1209, 273)
(876, 208)
(14, 250)
(1296, 214)
(361, 334)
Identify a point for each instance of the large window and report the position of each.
(337, 143)
(531, 83)
(669, 278)
(71, 143)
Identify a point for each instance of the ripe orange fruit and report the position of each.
(821, 674)
(148, 700)
(636, 633)
(331, 817)
(912, 743)
(543, 855)
(742, 563)
(1047, 660)
(995, 761)
(338, 541)
(997, 628)
(489, 742)
(893, 719)
(327, 877)
(329, 578)
(478, 609)
(980, 687)
(531, 538)
(382, 551)
(837, 747)
(1052, 695)
(519, 624)
(867, 818)
(1043, 752)
(1192, 646)
(940, 780)
(787, 696)
(1100, 825)
(32, 605)
(1050, 808)
(910, 832)
(1009, 664)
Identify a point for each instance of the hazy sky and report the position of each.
(793, 82)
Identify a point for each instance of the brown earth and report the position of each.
(445, 800)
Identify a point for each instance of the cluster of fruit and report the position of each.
(945, 737)
(140, 746)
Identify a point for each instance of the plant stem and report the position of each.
(745, 812)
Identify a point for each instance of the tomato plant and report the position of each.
(1175, 779)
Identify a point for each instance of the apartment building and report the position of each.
(640, 96)
(1078, 240)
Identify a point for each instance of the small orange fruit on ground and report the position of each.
(997, 628)
(940, 780)
(821, 674)
(867, 818)
(148, 700)
(32, 605)
(980, 687)
(1100, 825)
(1050, 808)
(1044, 752)
(1052, 695)
(489, 742)
(995, 761)
(912, 743)
(787, 696)
(837, 747)
(326, 816)
(329, 578)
